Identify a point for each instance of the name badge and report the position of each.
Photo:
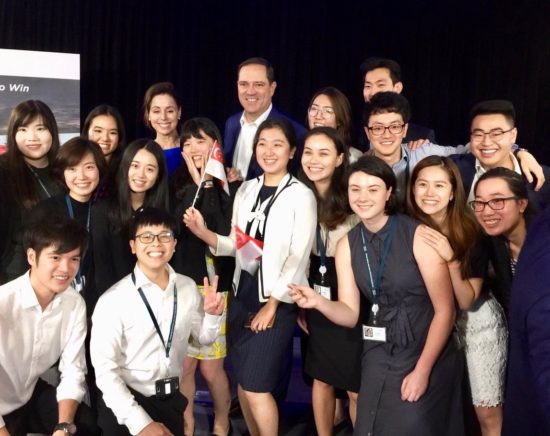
(166, 387)
(372, 333)
(324, 291)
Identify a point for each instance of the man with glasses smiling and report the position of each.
(385, 119)
(492, 138)
(141, 328)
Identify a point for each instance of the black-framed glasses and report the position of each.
(494, 203)
(148, 237)
(478, 135)
(326, 111)
(394, 129)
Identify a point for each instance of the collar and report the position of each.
(28, 295)
(404, 156)
(381, 234)
(143, 282)
(258, 120)
(480, 170)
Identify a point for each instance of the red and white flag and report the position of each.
(249, 251)
(215, 166)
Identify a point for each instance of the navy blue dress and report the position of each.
(406, 311)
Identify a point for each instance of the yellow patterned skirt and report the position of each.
(218, 348)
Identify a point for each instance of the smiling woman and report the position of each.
(142, 180)
(25, 177)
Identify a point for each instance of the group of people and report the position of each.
(396, 257)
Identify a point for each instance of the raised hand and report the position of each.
(233, 175)
(194, 221)
(213, 300)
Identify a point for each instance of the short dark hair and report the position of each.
(270, 71)
(490, 107)
(277, 123)
(387, 102)
(73, 151)
(45, 229)
(372, 63)
(374, 166)
(158, 89)
(152, 216)
(193, 127)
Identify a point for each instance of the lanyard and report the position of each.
(375, 286)
(168, 345)
(39, 180)
(70, 211)
(322, 249)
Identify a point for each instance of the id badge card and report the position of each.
(166, 387)
(324, 291)
(373, 333)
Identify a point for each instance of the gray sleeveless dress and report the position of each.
(406, 311)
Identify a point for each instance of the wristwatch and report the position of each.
(67, 427)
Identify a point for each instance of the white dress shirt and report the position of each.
(480, 171)
(126, 349)
(32, 340)
(245, 141)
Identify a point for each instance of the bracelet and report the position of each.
(67, 427)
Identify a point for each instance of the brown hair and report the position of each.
(462, 228)
(158, 89)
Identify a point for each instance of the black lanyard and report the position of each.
(322, 249)
(375, 286)
(39, 180)
(70, 211)
(168, 345)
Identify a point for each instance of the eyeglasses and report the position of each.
(394, 129)
(326, 111)
(495, 135)
(495, 203)
(148, 237)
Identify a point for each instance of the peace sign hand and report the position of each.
(213, 301)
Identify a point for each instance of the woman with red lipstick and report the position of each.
(161, 113)
(141, 181)
(25, 178)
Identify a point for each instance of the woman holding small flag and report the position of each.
(194, 184)
(273, 228)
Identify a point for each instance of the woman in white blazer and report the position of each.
(273, 229)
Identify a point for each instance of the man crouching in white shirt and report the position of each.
(43, 321)
(140, 331)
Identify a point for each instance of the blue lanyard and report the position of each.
(71, 215)
(322, 249)
(168, 345)
(375, 286)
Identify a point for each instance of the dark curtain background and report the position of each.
(453, 53)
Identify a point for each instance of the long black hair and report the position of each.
(121, 210)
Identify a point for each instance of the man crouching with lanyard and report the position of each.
(140, 331)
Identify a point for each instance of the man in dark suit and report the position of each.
(492, 137)
(527, 403)
(382, 74)
(255, 86)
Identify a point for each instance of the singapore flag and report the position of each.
(215, 166)
(249, 251)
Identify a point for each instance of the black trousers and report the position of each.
(40, 414)
(169, 412)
